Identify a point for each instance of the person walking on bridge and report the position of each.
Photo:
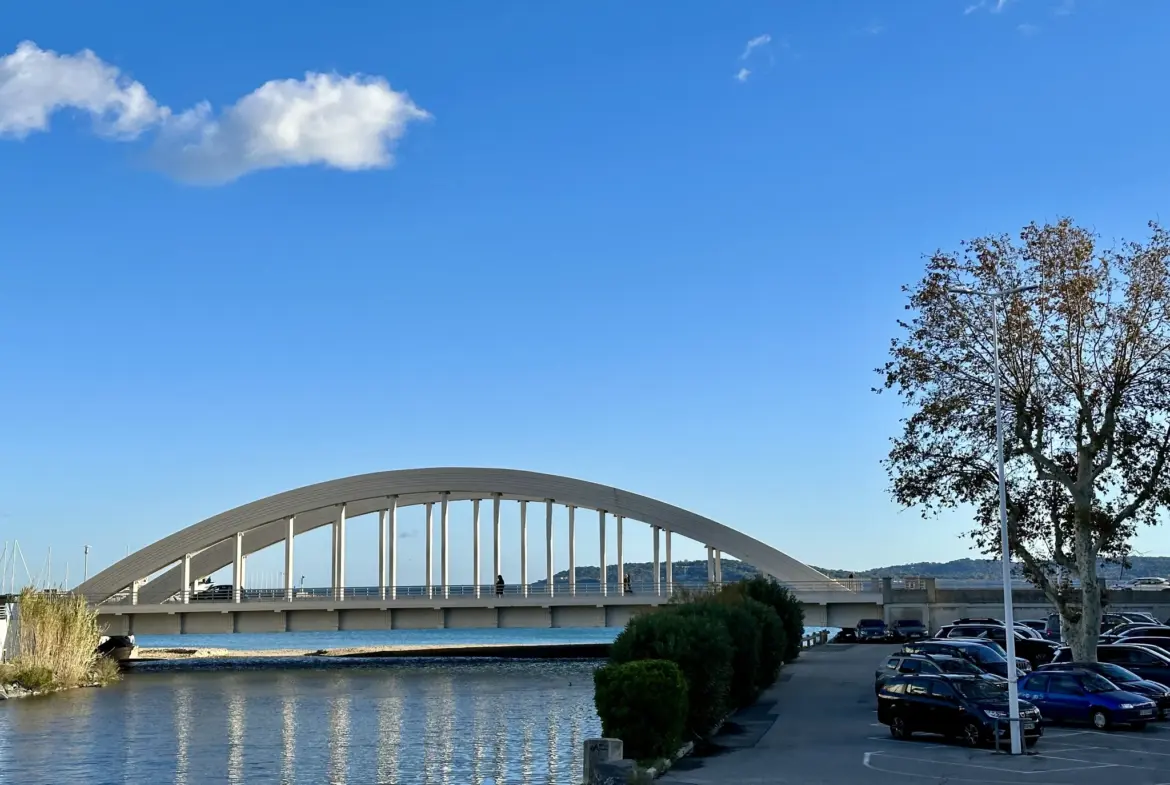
(499, 585)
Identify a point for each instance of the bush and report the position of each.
(744, 632)
(784, 602)
(33, 677)
(643, 703)
(701, 648)
(772, 641)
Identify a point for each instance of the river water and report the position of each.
(391, 722)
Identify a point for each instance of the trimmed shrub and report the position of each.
(744, 632)
(772, 641)
(699, 645)
(786, 605)
(643, 703)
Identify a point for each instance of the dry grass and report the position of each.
(55, 640)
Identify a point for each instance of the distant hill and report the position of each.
(989, 569)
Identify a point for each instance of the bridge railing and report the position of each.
(226, 594)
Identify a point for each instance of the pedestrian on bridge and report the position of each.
(499, 585)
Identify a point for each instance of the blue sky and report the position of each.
(597, 253)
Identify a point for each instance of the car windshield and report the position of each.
(1117, 674)
(956, 666)
(984, 654)
(1094, 683)
(982, 690)
(990, 644)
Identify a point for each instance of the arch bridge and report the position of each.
(168, 603)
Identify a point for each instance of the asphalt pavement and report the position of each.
(818, 726)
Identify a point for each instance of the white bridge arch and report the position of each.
(222, 540)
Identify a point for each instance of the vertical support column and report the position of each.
(430, 537)
(524, 548)
(496, 570)
(134, 593)
(475, 576)
(444, 549)
(621, 557)
(657, 564)
(669, 568)
(548, 533)
(244, 574)
(718, 567)
(237, 567)
(393, 544)
(601, 534)
(341, 552)
(186, 578)
(382, 554)
(289, 533)
(572, 551)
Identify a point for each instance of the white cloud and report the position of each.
(347, 123)
(743, 74)
(35, 83)
(343, 122)
(994, 6)
(999, 6)
(758, 41)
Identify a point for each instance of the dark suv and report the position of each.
(1036, 651)
(871, 630)
(967, 708)
(908, 630)
(926, 665)
(985, 654)
(1149, 665)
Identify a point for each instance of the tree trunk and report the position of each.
(1084, 642)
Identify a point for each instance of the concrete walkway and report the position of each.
(818, 726)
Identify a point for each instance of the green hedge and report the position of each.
(699, 645)
(773, 641)
(786, 605)
(643, 703)
(744, 632)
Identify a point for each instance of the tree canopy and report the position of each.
(1085, 375)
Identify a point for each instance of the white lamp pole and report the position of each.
(1009, 619)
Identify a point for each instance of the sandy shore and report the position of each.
(437, 650)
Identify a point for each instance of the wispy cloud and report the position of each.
(755, 43)
(995, 6)
(343, 122)
(742, 75)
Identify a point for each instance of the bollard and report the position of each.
(597, 752)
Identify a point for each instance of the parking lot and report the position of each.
(823, 730)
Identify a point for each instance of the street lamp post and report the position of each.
(1009, 616)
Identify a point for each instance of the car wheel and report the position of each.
(972, 735)
(1100, 719)
(898, 728)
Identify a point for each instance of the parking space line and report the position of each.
(1098, 764)
(867, 757)
(1116, 749)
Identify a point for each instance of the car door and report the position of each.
(916, 705)
(1147, 665)
(1066, 698)
(943, 715)
(1034, 689)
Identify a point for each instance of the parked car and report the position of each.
(1028, 632)
(1121, 629)
(1159, 645)
(908, 630)
(1123, 678)
(1108, 621)
(926, 665)
(1148, 631)
(1037, 625)
(1148, 584)
(1147, 662)
(984, 653)
(1083, 696)
(1022, 664)
(871, 630)
(1035, 650)
(966, 708)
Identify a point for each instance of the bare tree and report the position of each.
(1086, 393)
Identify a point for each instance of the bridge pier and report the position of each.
(657, 566)
(548, 533)
(238, 567)
(524, 548)
(669, 568)
(444, 549)
(382, 519)
(392, 513)
(601, 529)
(475, 544)
(289, 533)
(496, 536)
(621, 556)
(572, 551)
(430, 545)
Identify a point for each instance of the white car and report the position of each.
(1148, 584)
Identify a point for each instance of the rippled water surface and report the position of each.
(439, 721)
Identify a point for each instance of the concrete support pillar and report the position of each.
(718, 567)
(238, 567)
(710, 565)
(657, 564)
(669, 568)
(548, 535)
(186, 578)
(524, 548)
(621, 557)
(430, 548)
(339, 527)
(475, 577)
(289, 565)
(601, 533)
(444, 548)
(392, 537)
(134, 593)
(244, 573)
(382, 516)
(496, 570)
(572, 551)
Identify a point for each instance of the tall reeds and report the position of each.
(56, 637)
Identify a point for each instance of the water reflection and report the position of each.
(400, 723)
